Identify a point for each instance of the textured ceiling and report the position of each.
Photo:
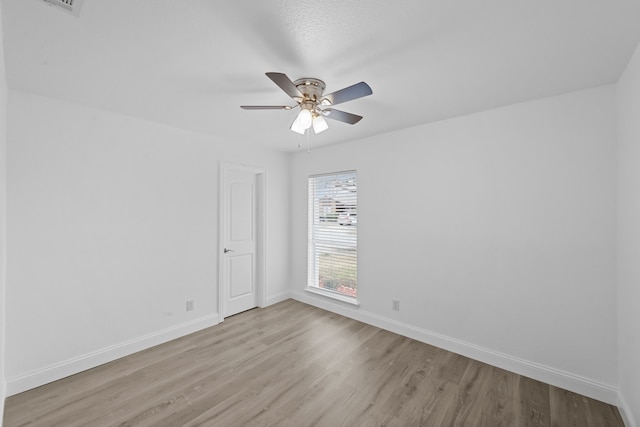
(192, 63)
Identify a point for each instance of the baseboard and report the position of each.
(625, 412)
(568, 381)
(91, 360)
(274, 299)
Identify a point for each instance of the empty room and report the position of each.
(302, 213)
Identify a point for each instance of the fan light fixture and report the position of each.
(305, 119)
(313, 103)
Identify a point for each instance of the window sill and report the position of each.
(334, 295)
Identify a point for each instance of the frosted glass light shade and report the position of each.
(302, 122)
(297, 127)
(320, 124)
(304, 117)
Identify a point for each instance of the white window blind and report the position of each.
(333, 233)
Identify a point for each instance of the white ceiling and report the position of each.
(192, 63)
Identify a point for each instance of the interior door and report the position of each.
(239, 241)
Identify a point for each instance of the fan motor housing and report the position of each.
(311, 88)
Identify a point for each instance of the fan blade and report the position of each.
(350, 93)
(341, 116)
(265, 107)
(285, 84)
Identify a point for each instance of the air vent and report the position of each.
(70, 6)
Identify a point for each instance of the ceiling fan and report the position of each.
(314, 105)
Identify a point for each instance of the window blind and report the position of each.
(333, 232)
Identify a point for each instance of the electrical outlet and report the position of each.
(396, 305)
(189, 305)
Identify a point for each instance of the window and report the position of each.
(333, 235)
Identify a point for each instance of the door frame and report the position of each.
(261, 231)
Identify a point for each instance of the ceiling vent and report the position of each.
(69, 6)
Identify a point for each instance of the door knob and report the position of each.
(227, 250)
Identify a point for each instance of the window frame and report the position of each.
(312, 266)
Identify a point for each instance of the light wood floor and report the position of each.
(295, 365)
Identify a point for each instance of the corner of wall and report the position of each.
(628, 240)
(3, 218)
(625, 411)
(274, 299)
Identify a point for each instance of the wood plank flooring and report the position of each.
(295, 365)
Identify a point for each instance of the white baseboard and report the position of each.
(625, 412)
(585, 386)
(91, 360)
(274, 299)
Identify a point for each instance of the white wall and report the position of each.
(628, 92)
(496, 231)
(112, 226)
(3, 216)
